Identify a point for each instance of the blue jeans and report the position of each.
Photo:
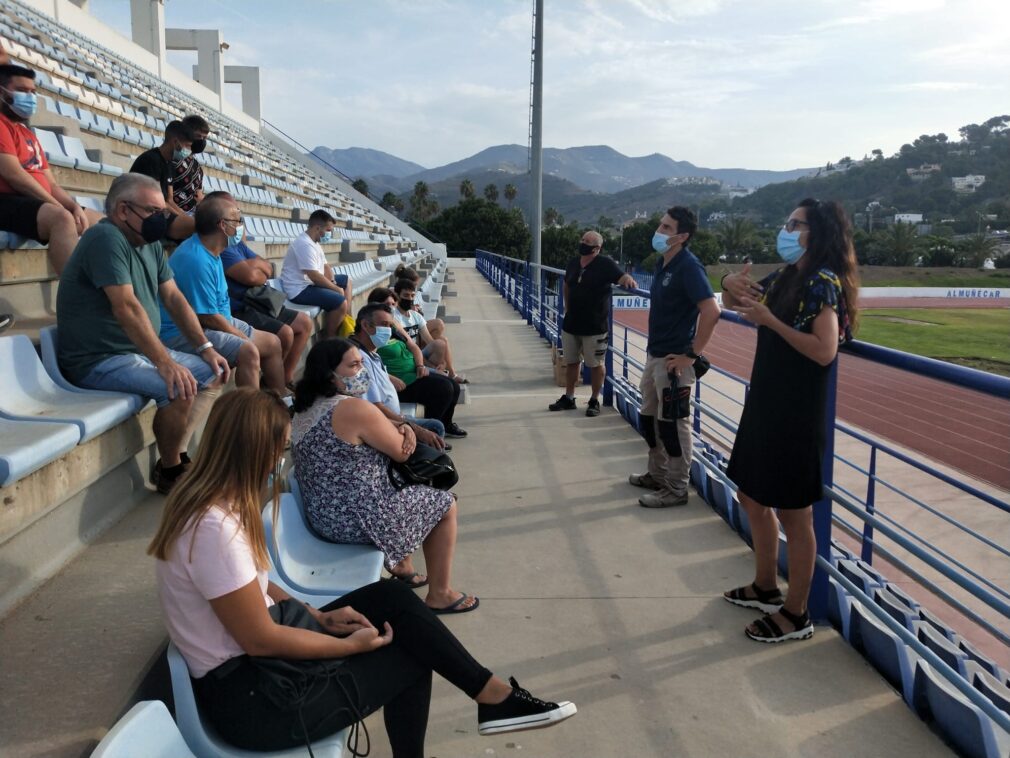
(134, 373)
(321, 297)
(431, 424)
(225, 343)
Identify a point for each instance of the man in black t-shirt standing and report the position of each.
(586, 298)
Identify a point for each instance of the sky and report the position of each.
(759, 84)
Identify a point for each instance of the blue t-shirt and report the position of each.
(200, 277)
(232, 255)
(677, 288)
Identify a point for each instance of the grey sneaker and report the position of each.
(644, 480)
(662, 499)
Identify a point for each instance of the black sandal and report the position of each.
(769, 631)
(768, 601)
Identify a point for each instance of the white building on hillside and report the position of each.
(968, 183)
(908, 218)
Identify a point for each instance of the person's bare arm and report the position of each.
(247, 273)
(564, 296)
(21, 181)
(188, 324)
(358, 421)
(708, 317)
(820, 345)
(218, 323)
(244, 615)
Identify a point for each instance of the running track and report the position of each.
(962, 428)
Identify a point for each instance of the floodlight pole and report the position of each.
(536, 138)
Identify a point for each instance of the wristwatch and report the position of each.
(691, 354)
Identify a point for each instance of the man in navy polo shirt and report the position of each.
(683, 313)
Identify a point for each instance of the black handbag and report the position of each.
(265, 299)
(292, 684)
(427, 466)
(701, 366)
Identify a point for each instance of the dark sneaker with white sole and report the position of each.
(593, 409)
(520, 711)
(455, 431)
(563, 403)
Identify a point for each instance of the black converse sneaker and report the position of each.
(563, 403)
(520, 711)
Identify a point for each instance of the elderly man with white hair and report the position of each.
(586, 297)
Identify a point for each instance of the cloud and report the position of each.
(939, 87)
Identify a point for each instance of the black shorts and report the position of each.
(259, 320)
(20, 214)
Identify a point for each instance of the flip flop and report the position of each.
(454, 607)
(460, 378)
(408, 579)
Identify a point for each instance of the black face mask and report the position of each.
(406, 305)
(198, 146)
(152, 228)
(585, 249)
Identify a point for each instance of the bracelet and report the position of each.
(205, 346)
(723, 281)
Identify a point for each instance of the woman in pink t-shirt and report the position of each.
(376, 647)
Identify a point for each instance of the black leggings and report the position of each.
(396, 677)
(436, 392)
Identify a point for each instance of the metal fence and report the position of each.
(864, 508)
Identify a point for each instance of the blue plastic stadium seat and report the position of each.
(894, 606)
(30, 394)
(204, 741)
(74, 148)
(53, 149)
(979, 658)
(888, 654)
(993, 687)
(962, 723)
(312, 310)
(840, 610)
(855, 572)
(147, 729)
(937, 623)
(946, 650)
(312, 565)
(27, 446)
(49, 347)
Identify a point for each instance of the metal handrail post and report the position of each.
(818, 600)
(527, 305)
(871, 492)
(608, 362)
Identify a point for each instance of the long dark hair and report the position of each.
(317, 380)
(829, 245)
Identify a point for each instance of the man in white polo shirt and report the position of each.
(307, 278)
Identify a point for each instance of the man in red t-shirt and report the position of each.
(32, 204)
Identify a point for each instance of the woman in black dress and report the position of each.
(803, 312)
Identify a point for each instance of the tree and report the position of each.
(558, 244)
(977, 248)
(361, 186)
(491, 193)
(478, 223)
(422, 205)
(737, 235)
(604, 222)
(900, 245)
(553, 218)
(466, 190)
(510, 194)
(391, 203)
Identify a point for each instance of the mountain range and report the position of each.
(594, 168)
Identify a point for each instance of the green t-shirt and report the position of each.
(398, 360)
(88, 331)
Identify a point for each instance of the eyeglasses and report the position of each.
(233, 220)
(791, 224)
(148, 209)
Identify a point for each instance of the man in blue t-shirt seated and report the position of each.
(200, 276)
(244, 269)
(683, 313)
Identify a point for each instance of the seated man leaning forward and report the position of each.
(108, 316)
(32, 204)
(413, 382)
(244, 269)
(308, 279)
(160, 163)
(200, 276)
(436, 350)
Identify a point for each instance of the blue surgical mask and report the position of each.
(660, 242)
(382, 336)
(327, 236)
(234, 239)
(788, 245)
(24, 104)
(181, 154)
(357, 385)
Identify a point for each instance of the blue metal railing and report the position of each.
(539, 301)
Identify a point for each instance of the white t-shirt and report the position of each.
(411, 321)
(303, 255)
(215, 561)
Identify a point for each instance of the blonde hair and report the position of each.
(242, 442)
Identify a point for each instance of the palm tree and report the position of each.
(466, 190)
(361, 186)
(977, 248)
(901, 244)
(737, 235)
(422, 206)
(491, 193)
(510, 194)
(553, 218)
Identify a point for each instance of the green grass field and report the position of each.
(974, 337)
(890, 276)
